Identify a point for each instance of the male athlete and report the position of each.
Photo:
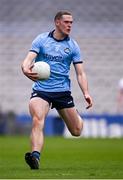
(59, 51)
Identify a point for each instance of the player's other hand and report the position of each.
(28, 72)
(88, 100)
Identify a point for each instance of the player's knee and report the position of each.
(77, 130)
(38, 122)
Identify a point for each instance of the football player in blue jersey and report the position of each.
(59, 51)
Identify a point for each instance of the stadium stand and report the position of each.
(98, 29)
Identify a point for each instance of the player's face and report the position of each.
(64, 24)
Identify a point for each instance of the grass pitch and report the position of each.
(63, 159)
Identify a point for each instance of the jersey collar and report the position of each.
(67, 38)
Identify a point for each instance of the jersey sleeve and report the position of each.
(36, 45)
(77, 57)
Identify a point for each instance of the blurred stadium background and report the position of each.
(98, 28)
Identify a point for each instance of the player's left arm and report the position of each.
(82, 81)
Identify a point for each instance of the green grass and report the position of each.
(63, 159)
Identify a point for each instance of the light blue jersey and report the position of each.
(58, 54)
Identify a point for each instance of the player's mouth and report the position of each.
(68, 30)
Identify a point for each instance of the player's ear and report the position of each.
(57, 22)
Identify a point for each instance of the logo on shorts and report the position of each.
(35, 94)
(70, 102)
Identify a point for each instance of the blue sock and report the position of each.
(36, 154)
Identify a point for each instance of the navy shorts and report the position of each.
(58, 100)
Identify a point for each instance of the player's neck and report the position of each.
(59, 36)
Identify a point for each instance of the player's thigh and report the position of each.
(71, 118)
(38, 108)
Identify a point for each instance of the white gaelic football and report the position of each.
(42, 69)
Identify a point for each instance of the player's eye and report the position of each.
(67, 22)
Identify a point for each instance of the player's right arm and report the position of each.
(27, 66)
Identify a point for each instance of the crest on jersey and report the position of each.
(67, 50)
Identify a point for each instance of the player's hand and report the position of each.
(88, 100)
(28, 72)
